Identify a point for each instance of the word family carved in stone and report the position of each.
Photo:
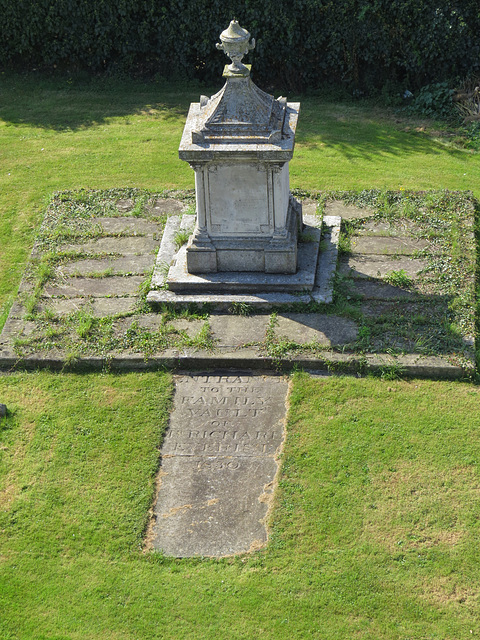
(219, 462)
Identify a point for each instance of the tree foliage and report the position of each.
(300, 44)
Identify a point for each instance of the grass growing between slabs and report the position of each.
(374, 532)
(429, 312)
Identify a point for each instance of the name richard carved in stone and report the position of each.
(219, 464)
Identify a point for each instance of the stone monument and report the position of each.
(239, 143)
(249, 242)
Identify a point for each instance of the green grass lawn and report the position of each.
(375, 528)
(374, 534)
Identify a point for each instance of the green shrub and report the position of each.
(435, 101)
(300, 44)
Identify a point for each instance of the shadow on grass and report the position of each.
(356, 132)
(64, 103)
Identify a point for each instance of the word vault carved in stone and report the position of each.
(219, 462)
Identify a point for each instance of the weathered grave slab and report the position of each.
(166, 205)
(133, 265)
(400, 228)
(134, 226)
(219, 462)
(387, 245)
(234, 331)
(98, 307)
(346, 211)
(309, 207)
(381, 291)
(327, 330)
(124, 205)
(123, 246)
(97, 287)
(190, 327)
(433, 310)
(374, 266)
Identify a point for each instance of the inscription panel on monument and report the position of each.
(238, 196)
(219, 464)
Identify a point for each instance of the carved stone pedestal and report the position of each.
(246, 244)
(246, 218)
(239, 143)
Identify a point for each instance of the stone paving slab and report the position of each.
(133, 225)
(98, 307)
(374, 266)
(238, 341)
(381, 291)
(235, 331)
(401, 307)
(96, 287)
(219, 464)
(191, 327)
(132, 265)
(346, 211)
(376, 228)
(18, 327)
(309, 207)
(167, 206)
(326, 330)
(136, 245)
(387, 245)
(17, 310)
(160, 207)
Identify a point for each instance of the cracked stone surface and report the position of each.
(374, 266)
(326, 330)
(219, 464)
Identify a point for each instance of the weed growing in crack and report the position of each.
(399, 278)
(139, 206)
(181, 238)
(85, 323)
(241, 309)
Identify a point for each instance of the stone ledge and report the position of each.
(409, 365)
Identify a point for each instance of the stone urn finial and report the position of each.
(235, 43)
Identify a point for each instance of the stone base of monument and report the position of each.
(313, 281)
(247, 251)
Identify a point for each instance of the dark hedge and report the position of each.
(300, 43)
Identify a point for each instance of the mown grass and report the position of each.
(374, 534)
